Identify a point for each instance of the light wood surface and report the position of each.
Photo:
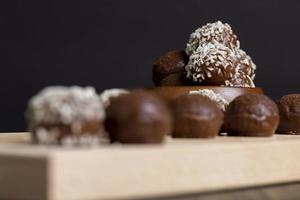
(21, 137)
(134, 171)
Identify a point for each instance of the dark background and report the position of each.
(113, 43)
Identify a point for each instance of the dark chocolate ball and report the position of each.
(137, 117)
(251, 115)
(167, 65)
(289, 111)
(195, 116)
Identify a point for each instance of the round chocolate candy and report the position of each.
(137, 117)
(195, 116)
(289, 110)
(251, 115)
(168, 70)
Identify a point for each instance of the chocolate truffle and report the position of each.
(169, 69)
(217, 65)
(251, 115)
(137, 117)
(217, 98)
(289, 111)
(195, 116)
(212, 32)
(212, 64)
(66, 115)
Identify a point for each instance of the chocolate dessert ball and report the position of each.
(215, 58)
(212, 32)
(212, 64)
(195, 116)
(169, 68)
(216, 65)
(65, 115)
(289, 111)
(251, 115)
(137, 117)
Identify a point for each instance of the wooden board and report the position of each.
(134, 171)
(21, 137)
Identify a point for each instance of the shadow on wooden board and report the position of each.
(286, 191)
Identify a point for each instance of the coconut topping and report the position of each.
(217, 98)
(65, 105)
(218, 32)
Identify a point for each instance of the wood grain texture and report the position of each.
(133, 171)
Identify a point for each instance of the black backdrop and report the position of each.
(113, 43)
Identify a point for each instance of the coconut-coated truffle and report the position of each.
(195, 116)
(168, 69)
(212, 32)
(251, 115)
(65, 115)
(289, 110)
(137, 117)
(215, 58)
(217, 65)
